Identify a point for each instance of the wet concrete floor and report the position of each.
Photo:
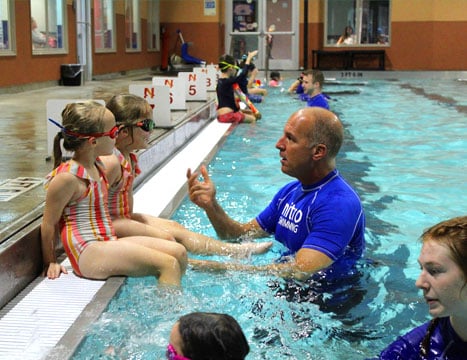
(23, 139)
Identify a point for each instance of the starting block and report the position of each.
(195, 85)
(212, 74)
(177, 93)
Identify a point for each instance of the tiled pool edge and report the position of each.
(71, 340)
(67, 345)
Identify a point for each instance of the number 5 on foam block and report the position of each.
(195, 85)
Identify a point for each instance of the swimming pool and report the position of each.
(404, 152)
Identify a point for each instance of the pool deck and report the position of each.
(32, 324)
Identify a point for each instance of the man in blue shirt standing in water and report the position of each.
(318, 217)
(312, 83)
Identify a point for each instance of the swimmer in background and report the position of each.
(275, 79)
(248, 84)
(254, 85)
(297, 86)
(313, 84)
(228, 110)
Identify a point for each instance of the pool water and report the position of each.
(404, 153)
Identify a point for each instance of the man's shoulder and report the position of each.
(342, 181)
(288, 189)
(318, 100)
(340, 191)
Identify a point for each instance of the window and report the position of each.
(7, 40)
(357, 22)
(244, 17)
(132, 25)
(104, 25)
(48, 26)
(153, 25)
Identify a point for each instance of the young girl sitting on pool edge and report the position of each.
(133, 115)
(76, 208)
(228, 111)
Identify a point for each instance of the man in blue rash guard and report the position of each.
(318, 217)
(313, 81)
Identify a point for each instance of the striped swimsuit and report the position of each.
(119, 204)
(86, 219)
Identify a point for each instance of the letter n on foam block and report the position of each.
(195, 85)
(177, 92)
(158, 98)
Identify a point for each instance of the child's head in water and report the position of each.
(275, 79)
(201, 335)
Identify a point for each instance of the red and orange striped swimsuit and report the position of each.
(119, 204)
(87, 219)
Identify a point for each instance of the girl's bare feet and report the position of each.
(252, 248)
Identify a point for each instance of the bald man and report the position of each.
(318, 216)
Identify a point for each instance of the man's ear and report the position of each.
(319, 151)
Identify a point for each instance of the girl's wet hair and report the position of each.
(82, 118)
(128, 109)
(212, 336)
(425, 343)
(275, 75)
(453, 234)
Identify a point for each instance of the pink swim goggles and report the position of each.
(171, 354)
